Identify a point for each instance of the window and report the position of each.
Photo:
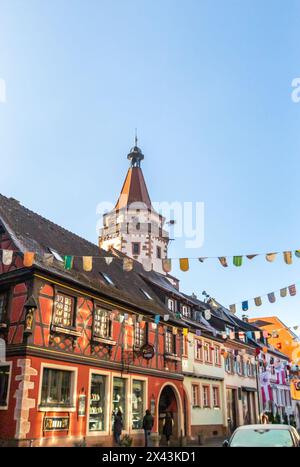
(136, 248)
(206, 398)
(196, 395)
(119, 396)
(107, 279)
(63, 310)
(207, 352)
(145, 293)
(98, 405)
(238, 365)
(138, 408)
(3, 303)
(186, 311)
(158, 252)
(185, 344)
(229, 363)
(140, 334)
(56, 255)
(216, 396)
(102, 323)
(57, 388)
(4, 384)
(170, 342)
(198, 349)
(171, 304)
(217, 355)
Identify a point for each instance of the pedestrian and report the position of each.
(118, 426)
(148, 422)
(264, 418)
(168, 427)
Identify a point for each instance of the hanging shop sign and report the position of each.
(147, 351)
(56, 423)
(81, 405)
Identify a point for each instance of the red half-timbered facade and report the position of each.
(79, 345)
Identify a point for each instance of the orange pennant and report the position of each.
(28, 259)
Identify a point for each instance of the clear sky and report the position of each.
(207, 84)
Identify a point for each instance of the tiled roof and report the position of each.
(134, 189)
(32, 232)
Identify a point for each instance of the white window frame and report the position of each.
(108, 395)
(171, 301)
(74, 379)
(10, 365)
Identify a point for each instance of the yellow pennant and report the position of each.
(28, 259)
(87, 263)
(184, 264)
(287, 255)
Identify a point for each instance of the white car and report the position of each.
(265, 435)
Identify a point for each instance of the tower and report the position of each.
(133, 226)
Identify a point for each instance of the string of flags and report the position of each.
(128, 263)
(283, 292)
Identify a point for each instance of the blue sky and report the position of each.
(207, 84)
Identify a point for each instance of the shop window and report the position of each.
(3, 304)
(140, 334)
(138, 409)
(206, 396)
(102, 323)
(196, 395)
(216, 396)
(98, 406)
(170, 342)
(4, 384)
(119, 397)
(63, 310)
(57, 388)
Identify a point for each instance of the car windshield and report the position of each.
(262, 438)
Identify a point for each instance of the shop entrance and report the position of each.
(168, 404)
(231, 395)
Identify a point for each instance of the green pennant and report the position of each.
(237, 260)
(68, 262)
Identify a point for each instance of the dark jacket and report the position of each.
(168, 426)
(118, 424)
(148, 421)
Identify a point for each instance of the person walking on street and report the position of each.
(148, 422)
(118, 426)
(168, 427)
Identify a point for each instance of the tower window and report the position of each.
(158, 252)
(136, 248)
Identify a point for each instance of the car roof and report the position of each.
(264, 426)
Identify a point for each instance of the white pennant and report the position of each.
(7, 256)
(147, 264)
(108, 260)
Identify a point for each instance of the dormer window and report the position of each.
(145, 293)
(56, 255)
(107, 279)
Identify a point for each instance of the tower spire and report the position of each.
(135, 156)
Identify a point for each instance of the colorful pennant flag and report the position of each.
(166, 317)
(241, 336)
(157, 319)
(297, 253)
(223, 261)
(109, 260)
(140, 318)
(202, 259)
(174, 330)
(127, 264)
(251, 256)
(153, 325)
(283, 292)
(271, 297)
(245, 305)
(28, 259)
(231, 335)
(184, 264)
(87, 263)
(258, 301)
(68, 262)
(48, 259)
(292, 290)
(271, 257)
(185, 331)
(237, 261)
(147, 264)
(167, 265)
(223, 335)
(232, 309)
(198, 332)
(7, 257)
(265, 334)
(257, 334)
(287, 255)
